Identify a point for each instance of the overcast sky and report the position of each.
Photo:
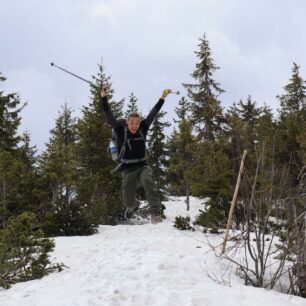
(146, 45)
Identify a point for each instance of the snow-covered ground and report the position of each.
(140, 265)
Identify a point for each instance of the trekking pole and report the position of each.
(53, 65)
(229, 221)
(175, 92)
(75, 75)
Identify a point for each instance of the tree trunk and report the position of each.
(300, 266)
(4, 191)
(187, 197)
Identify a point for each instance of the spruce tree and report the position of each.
(207, 117)
(11, 159)
(9, 119)
(132, 105)
(291, 123)
(265, 130)
(97, 188)
(206, 109)
(248, 127)
(291, 150)
(24, 251)
(180, 148)
(64, 214)
(8, 172)
(240, 130)
(293, 101)
(157, 151)
(27, 177)
(210, 167)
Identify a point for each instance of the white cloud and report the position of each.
(100, 9)
(146, 45)
(41, 94)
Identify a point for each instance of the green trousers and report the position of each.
(131, 178)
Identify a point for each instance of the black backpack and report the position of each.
(116, 151)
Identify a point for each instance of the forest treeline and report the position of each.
(68, 188)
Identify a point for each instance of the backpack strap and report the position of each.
(141, 134)
(116, 168)
(122, 151)
(126, 141)
(132, 161)
(127, 161)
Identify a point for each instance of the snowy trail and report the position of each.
(138, 265)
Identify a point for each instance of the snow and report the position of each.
(142, 264)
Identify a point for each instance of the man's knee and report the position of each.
(147, 175)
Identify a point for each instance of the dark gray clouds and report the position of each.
(146, 45)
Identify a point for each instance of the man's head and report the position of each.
(133, 122)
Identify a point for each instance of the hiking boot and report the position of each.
(156, 219)
(128, 214)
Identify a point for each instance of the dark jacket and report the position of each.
(136, 148)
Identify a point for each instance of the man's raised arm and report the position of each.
(149, 119)
(105, 107)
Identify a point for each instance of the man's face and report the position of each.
(133, 124)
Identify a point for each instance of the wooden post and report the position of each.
(230, 215)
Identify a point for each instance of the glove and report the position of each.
(166, 93)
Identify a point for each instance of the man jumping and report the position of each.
(135, 169)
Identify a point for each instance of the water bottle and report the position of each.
(113, 150)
